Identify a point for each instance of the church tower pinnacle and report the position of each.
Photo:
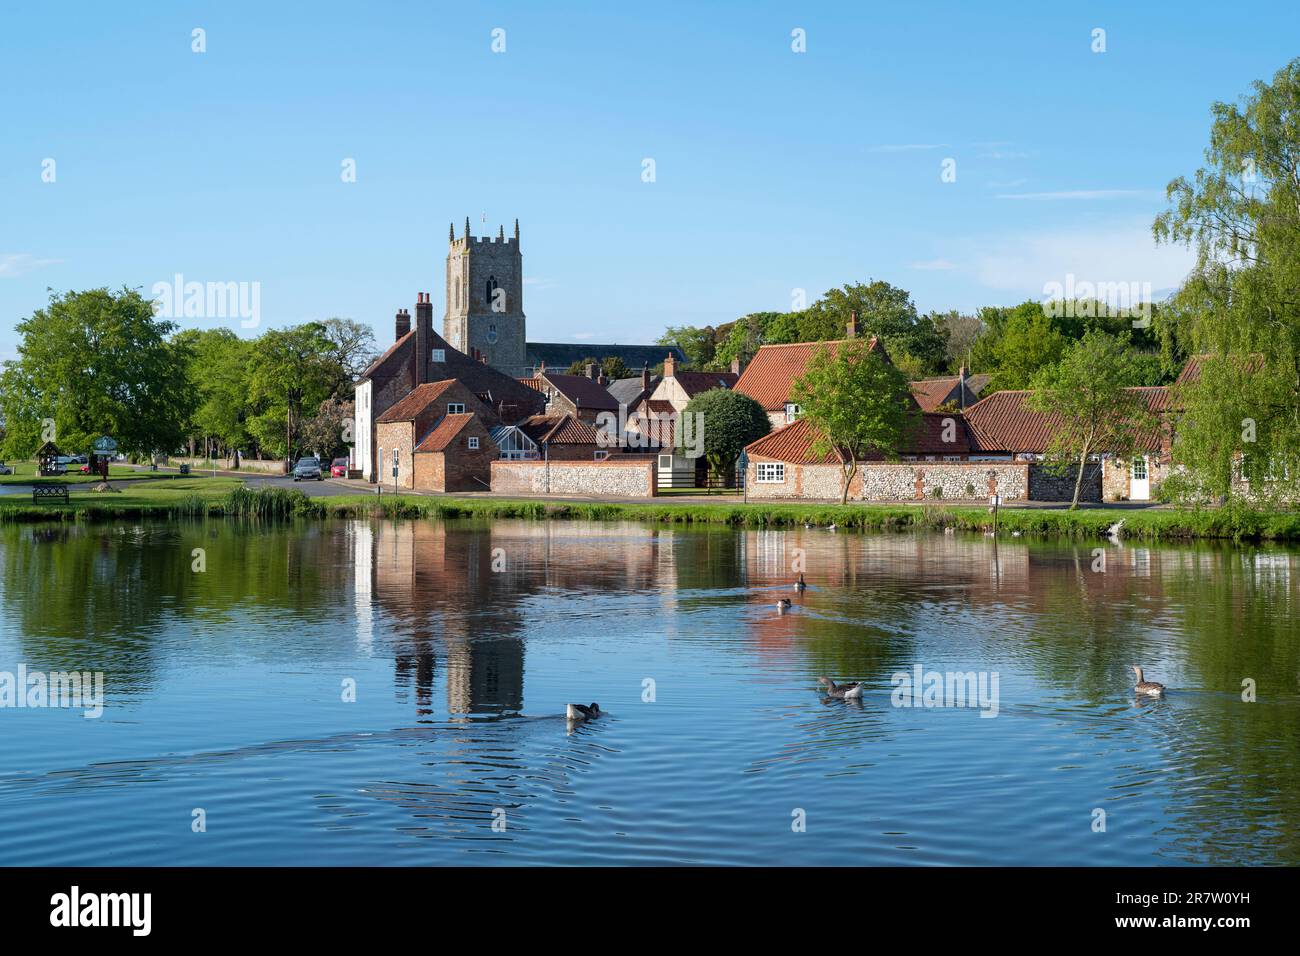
(485, 299)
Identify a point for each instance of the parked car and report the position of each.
(307, 469)
(339, 468)
(5, 469)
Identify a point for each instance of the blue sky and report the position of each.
(775, 170)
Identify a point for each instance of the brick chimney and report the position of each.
(961, 386)
(851, 330)
(403, 323)
(670, 370)
(591, 370)
(601, 380)
(423, 336)
(645, 378)
(735, 365)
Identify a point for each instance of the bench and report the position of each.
(49, 491)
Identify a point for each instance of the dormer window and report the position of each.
(792, 411)
(440, 355)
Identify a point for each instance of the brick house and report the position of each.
(456, 456)
(412, 419)
(419, 356)
(582, 396)
(957, 392)
(564, 438)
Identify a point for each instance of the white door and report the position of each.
(1139, 486)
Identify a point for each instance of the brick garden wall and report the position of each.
(1044, 485)
(618, 478)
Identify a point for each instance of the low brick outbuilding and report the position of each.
(456, 456)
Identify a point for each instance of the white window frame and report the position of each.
(1146, 471)
(600, 454)
(792, 411)
(455, 408)
(440, 355)
(473, 442)
(770, 472)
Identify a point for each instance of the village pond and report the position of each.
(393, 692)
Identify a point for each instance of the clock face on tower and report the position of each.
(492, 335)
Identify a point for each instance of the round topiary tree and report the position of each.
(731, 420)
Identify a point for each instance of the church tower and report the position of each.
(485, 299)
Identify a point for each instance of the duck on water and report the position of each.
(1148, 687)
(841, 691)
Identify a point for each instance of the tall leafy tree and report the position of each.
(98, 362)
(351, 348)
(883, 310)
(1094, 412)
(1028, 343)
(289, 370)
(731, 420)
(1241, 302)
(857, 404)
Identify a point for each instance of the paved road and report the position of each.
(314, 489)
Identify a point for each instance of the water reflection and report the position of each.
(465, 641)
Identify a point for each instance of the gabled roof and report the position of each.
(693, 383)
(930, 393)
(1192, 370)
(445, 432)
(582, 391)
(559, 430)
(416, 401)
(392, 359)
(769, 378)
(1003, 422)
(793, 443)
(534, 383)
(495, 388)
(628, 391)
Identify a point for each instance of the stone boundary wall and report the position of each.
(1044, 485)
(225, 464)
(901, 481)
(617, 478)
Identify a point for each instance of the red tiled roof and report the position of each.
(693, 383)
(559, 430)
(536, 384)
(402, 346)
(793, 443)
(415, 401)
(769, 378)
(445, 432)
(1003, 422)
(582, 391)
(930, 393)
(1192, 370)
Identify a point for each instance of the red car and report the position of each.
(339, 468)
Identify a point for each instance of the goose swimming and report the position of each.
(582, 711)
(841, 691)
(832, 526)
(1148, 687)
(800, 585)
(783, 605)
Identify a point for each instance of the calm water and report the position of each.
(224, 691)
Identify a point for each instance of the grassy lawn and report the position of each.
(25, 474)
(196, 496)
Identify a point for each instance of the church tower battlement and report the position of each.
(485, 299)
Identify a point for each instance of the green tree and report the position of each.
(324, 433)
(351, 348)
(97, 362)
(857, 403)
(1087, 394)
(612, 366)
(289, 370)
(884, 311)
(1028, 343)
(1241, 302)
(218, 376)
(697, 344)
(731, 420)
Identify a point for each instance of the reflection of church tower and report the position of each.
(485, 676)
(485, 299)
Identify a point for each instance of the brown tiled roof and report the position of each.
(769, 378)
(394, 356)
(445, 432)
(930, 393)
(1192, 370)
(793, 443)
(660, 406)
(495, 388)
(693, 383)
(559, 430)
(1004, 423)
(534, 383)
(416, 401)
(582, 391)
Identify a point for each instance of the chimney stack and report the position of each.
(403, 323)
(670, 370)
(601, 380)
(735, 365)
(423, 336)
(645, 378)
(851, 331)
(591, 370)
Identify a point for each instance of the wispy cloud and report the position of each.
(14, 264)
(933, 265)
(582, 336)
(1085, 194)
(1004, 154)
(1007, 184)
(904, 147)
